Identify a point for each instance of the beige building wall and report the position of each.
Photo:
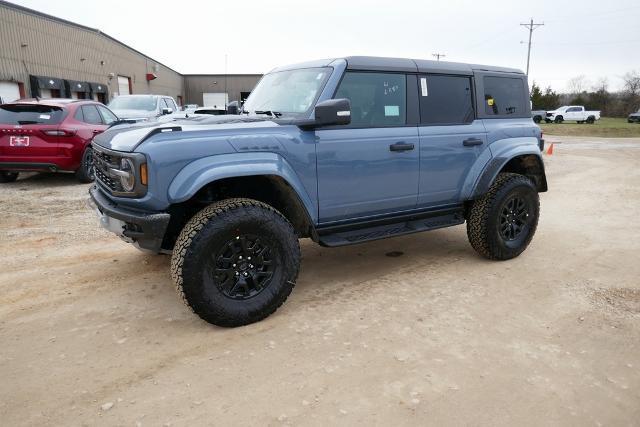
(35, 44)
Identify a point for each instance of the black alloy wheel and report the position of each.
(514, 218)
(243, 267)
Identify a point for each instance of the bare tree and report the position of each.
(601, 85)
(631, 83)
(578, 84)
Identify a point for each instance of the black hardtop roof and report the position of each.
(377, 63)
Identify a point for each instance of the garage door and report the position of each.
(215, 100)
(123, 85)
(9, 91)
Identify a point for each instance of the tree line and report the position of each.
(593, 97)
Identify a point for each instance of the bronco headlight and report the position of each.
(127, 179)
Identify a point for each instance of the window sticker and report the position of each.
(490, 102)
(45, 116)
(392, 110)
(423, 86)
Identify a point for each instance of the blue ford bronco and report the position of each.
(341, 151)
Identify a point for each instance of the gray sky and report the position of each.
(592, 37)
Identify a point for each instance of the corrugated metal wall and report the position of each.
(31, 44)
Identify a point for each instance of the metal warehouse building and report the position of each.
(45, 56)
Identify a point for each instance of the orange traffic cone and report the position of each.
(550, 149)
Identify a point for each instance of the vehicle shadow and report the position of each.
(372, 260)
(46, 179)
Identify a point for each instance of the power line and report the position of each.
(531, 26)
(438, 55)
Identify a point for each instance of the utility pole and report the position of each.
(531, 26)
(438, 55)
(226, 95)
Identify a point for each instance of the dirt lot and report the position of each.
(92, 332)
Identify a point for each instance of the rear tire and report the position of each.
(235, 262)
(86, 173)
(537, 119)
(8, 176)
(502, 223)
(591, 120)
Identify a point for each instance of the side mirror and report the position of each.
(333, 112)
(232, 107)
(166, 111)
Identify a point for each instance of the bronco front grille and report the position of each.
(102, 162)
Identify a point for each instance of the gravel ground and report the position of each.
(92, 332)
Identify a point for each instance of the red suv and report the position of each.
(50, 135)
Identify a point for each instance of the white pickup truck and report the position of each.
(572, 112)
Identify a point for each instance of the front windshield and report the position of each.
(144, 103)
(292, 91)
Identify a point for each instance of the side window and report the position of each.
(445, 100)
(504, 96)
(172, 104)
(91, 115)
(377, 99)
(78, 116)
(107, 116)
(165, 104)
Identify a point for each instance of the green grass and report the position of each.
(605, 127)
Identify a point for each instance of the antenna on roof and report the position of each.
(438, 55)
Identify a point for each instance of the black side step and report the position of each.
(362, 234)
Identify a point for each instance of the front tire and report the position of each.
(502, 223)
(86, 172)
(8, 176)
(559, 119)
(235, 262)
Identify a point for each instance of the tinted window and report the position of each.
(445, 100)
(78, 116)
(376, 99)
(15, 114)
(107, 116)
(91, 115)
(504, 96)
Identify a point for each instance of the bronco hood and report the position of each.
(127, 136)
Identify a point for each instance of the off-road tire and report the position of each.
(6, 176)
(85, 172)
(483, 223)
(206, 234)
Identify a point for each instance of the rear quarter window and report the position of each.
(504, 96)
(16, 114)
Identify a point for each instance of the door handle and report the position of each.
(469, 142)
(96, 131)
(401, 146)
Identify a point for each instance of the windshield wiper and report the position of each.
(269, 113)
(28, 122)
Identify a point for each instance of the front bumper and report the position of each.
(144, 229)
